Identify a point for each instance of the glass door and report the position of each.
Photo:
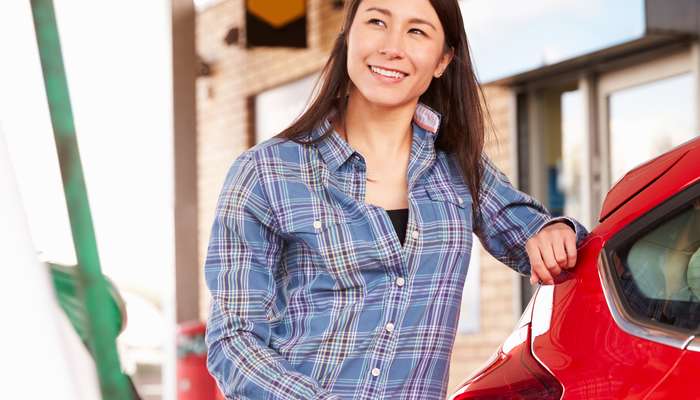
(645, 110)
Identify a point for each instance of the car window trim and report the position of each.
(626, 318)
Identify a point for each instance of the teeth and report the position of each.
(384, 72)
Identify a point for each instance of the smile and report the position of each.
(388, 73)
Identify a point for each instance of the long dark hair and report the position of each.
(456, 96)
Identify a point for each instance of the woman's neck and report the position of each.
(377, 131)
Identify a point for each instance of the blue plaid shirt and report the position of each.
(313, 295)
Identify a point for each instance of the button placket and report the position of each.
(389, 328)
(387, 337)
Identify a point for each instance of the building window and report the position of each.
(648, 120)
(277, 108)
(469, 314)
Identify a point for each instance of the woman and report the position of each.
(318, 292)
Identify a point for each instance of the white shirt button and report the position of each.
(414, 234)
(317, 224)
(460, 200)
(389, 327)
(400, 281)
(375, 371)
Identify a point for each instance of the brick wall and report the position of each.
(224, 117)
(237, 74)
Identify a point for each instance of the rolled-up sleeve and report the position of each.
(243, 254)
(508, 218)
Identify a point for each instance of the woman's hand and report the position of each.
(550, 250)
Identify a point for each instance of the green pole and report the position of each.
(100, 329)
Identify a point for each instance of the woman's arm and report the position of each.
(242, 257)
(520, 232)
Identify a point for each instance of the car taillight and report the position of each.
(512, 374)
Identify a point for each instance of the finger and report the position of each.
(559, 250)
(544, 274)
(537, 265)
(534, 278)
(533, 255)
(571, 252)
(549, 261)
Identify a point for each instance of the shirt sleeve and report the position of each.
(508, 218)
(243, 254)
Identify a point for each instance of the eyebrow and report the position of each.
(412, 20)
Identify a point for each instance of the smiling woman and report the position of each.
(396, 53)
(340, 247)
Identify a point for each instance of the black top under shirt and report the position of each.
(399, 218)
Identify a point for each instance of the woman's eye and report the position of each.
(375, 21)
(418, 31)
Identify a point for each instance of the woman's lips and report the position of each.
(386, 74)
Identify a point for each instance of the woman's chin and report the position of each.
(386, 100)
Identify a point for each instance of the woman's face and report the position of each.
(395, 49)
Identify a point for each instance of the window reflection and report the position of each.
(647, 120)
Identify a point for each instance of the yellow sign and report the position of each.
(277, 13)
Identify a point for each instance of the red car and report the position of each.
(623, 323)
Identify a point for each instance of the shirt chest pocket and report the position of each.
(333, 246)
(450, 216)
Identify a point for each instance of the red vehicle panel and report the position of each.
(586, 351)
(594, 335)
(678, 383)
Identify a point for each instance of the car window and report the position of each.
(658, 268)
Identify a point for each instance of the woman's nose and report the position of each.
(392, 46)
(391, 52)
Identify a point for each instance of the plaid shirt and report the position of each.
(313, 295)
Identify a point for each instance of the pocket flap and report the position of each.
(303, 221)
(448, 194)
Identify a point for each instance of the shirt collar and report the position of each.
(336, 151)
(428, 119)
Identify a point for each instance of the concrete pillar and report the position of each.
(185, 148)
